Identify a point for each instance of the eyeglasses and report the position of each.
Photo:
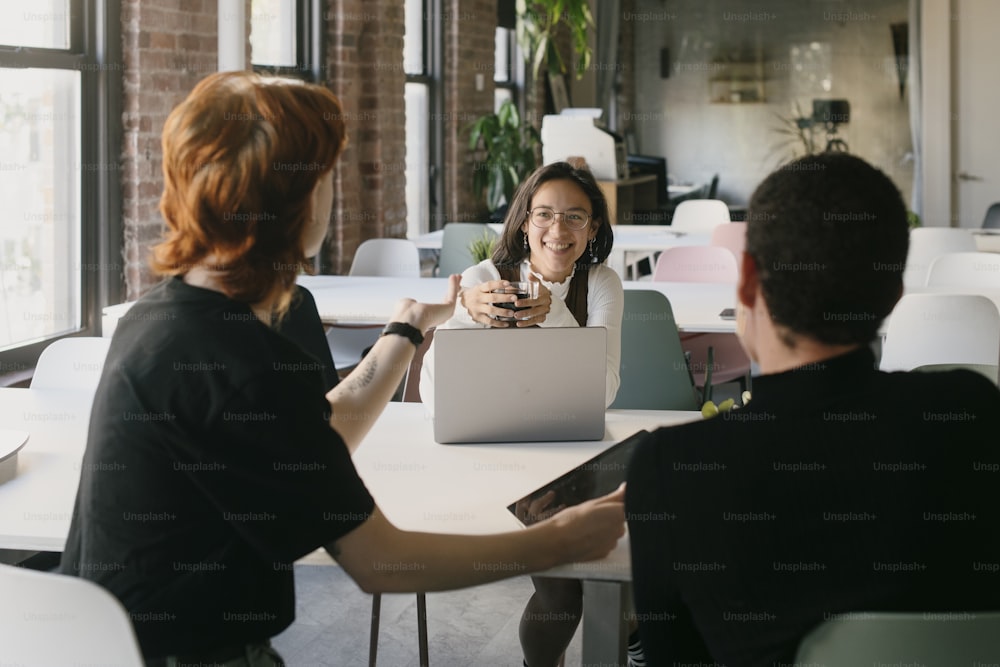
(543, 216)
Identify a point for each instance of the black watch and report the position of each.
(405, 330)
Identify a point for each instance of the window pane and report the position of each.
(417, 159)
(39, 23)
(40, 186)
(272, 33)
(500, 95)
(501, 58)
(413, 39)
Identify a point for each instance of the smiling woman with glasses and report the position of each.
(556, 235)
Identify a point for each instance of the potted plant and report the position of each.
(509, 154)
(482, 248)
(537, 23)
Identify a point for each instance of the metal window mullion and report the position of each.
(434, 68)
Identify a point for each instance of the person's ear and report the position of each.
(748, 284)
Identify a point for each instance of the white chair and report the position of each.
(938, 639)
(398, 258)
(700, 215)
(965, 269)
(53, 619)
(71, 363)
(933, 329)
(926, 243)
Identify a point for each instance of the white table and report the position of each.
(421, 485)
(366, 300)
(11, 442)
(36, 506)
(372, 300)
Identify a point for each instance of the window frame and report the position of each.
(431, 76)
(309, 27)
(512, 82)
(95, 51)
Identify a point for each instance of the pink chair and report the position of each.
(696, 264)
(732, 235)
(707, 264)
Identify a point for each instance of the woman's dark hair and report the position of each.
(510, 249)
(829, 236)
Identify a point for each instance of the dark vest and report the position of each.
(576, 297)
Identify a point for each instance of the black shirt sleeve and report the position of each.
(302, 324)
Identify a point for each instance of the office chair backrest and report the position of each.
(654, 371)
(926, 243)
(928, 329)
(455, 254)
(992, 219)
(700, 215)
(931, 639)
(732, 235)
(696, 264)
(965, 269)
(53, 619)
(398, 258)
(71, 363)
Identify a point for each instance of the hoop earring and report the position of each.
(527, 248)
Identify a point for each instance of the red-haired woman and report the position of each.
(211, 464)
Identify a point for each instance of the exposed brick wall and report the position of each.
(469, 28)
(168, 46)
(364, 65)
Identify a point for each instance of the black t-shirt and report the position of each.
(303, 325)
(210, 468)
(837, 489)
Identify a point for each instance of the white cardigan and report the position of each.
(605, 304)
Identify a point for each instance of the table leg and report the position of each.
(605, 636)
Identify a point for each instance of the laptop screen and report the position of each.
(597, 477)
(519, 385)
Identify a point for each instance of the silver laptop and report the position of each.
(519, 385)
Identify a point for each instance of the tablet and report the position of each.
(597, 477)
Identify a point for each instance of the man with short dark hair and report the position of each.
(838, 488)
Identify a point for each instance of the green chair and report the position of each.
(931, 639)
(455, 255)
(654, 370)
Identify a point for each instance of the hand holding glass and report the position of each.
(523, 290)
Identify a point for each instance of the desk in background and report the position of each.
(371, 300)
(359, 300)
(625, 196)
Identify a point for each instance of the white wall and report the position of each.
(740, 142)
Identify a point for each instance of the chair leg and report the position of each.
(422, 629)
(373, 634)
